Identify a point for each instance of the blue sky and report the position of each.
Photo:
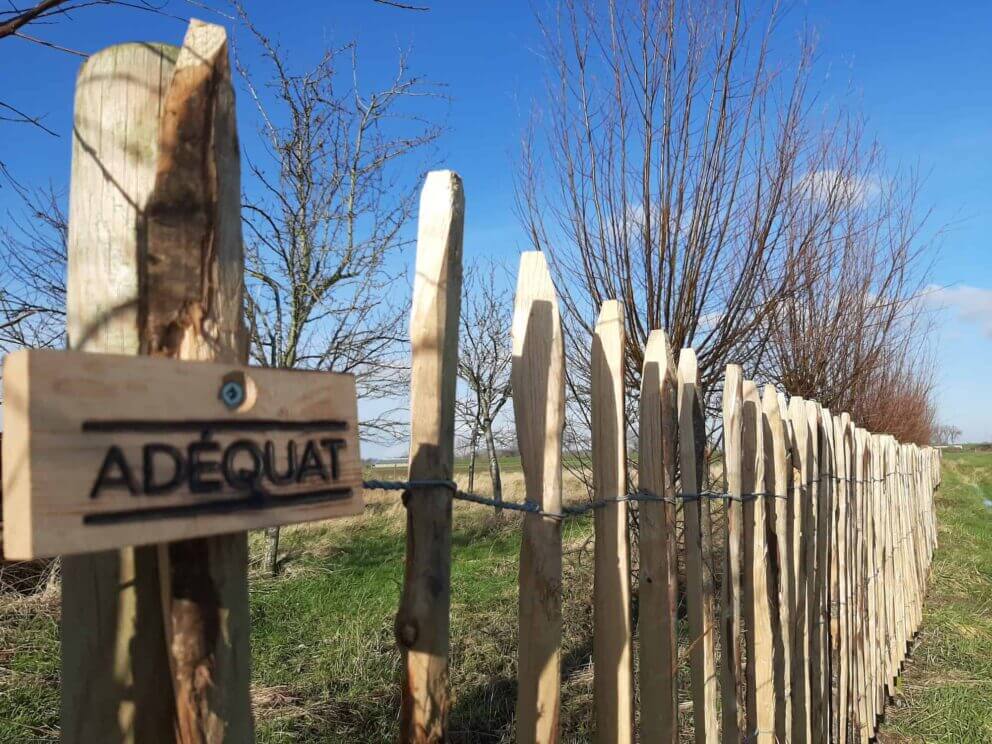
(921, 72)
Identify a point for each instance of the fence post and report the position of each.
(824, 535)
(538, 380)
(658, 604)
(155, 197)
(760, 699)
(423, 618)
(613, 683)
(776, 485)
(115, 670)
(731, 678)
(698, 553)
(831, 610)
(799, 425)
(813, 573)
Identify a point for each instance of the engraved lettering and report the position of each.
(106, 479)
(311, 463)
(242, 479)
(150, 485)
(198, 468)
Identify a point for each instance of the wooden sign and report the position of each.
(102, 451)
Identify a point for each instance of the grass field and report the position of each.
(325, 665)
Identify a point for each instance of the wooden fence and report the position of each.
(823, 557)
(829, 529)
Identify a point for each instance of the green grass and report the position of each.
(946, 689)
(325, 668)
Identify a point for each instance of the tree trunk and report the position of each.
(494, 466)
(272, 550)
(473, 445)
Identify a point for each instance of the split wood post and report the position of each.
(776, 486)
(885, 577)
(422, 621)
(731, 677)
(813, 572)
(828, 460)
(613, 682)
(841, 489)
(760, 699)
(658, 602)
(537, 378)
(824, 535)
(171, 198)
(861, 476)
(799, 429)
(698, 553)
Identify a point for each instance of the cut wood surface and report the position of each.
(613, 683)
(700, 592)
(658, 566)
(818, 584)
(777, 486)
(423, 618)
(732, 683)
(756, 600)
(136, 450)
(538, 380)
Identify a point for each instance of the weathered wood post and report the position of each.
(776, 486)
(760, 698)
(700, 591)
(538, 379)
(155, 267)
(658, 601)
(422, 621)
(799, 436)
(732, 684)
(613, 684)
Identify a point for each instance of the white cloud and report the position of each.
(822, 183)
(970, 304)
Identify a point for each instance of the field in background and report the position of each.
(325, 665)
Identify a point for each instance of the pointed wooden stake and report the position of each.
(732, 676)
(700, 591)
(538, 380)
(613, 684)
(757, 600)
(423, 618)
(780, 553)
(658, 602)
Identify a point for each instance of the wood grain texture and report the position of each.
(700, 586)
(115, 668)
(658, 568)
(613, 683)
(757, 601)
(780, 554)
(423, 618)
(732, 682)
(538, 380)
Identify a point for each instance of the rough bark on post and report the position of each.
(193, 309)
(538, 380)
(658, 601)
(731, 677)
(613, 679)
(698, 554)
(115, 667)
(423, 618)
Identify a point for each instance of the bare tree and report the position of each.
(679, 168)
(33, 262)
(334, 192)
(484, 365)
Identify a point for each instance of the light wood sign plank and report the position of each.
(103, 450)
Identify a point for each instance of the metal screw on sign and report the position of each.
(232, 394)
